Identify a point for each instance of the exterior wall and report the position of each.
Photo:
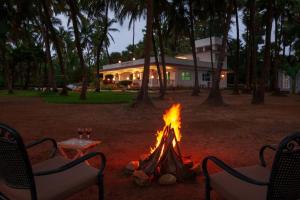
(184, 83)
(202, 82)
(285, 82)
(175, 76)
(298, 83)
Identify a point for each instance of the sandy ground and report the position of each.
(233, 133)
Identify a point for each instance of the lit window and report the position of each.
(186, 76)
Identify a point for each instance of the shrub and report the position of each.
(125, 83)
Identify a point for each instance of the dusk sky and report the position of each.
(124, 37)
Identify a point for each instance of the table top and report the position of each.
(76, 143)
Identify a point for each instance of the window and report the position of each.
(186, 76)
(206, 77)
(168, 75)
(199, 50)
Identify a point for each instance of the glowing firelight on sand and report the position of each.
(171, 118)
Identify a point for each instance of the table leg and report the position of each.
(80, 154)
(64, 154)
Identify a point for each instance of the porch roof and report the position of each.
(184, 63)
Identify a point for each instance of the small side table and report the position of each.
(81, 146)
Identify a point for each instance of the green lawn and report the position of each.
(20, 93)
(107, 97)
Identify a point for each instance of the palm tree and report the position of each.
(57, 44)
(161, 8)
(74, 12)
(211, 19)
(51, 73)
(259, 93)
(100, 46)
(162, 55)
(143, 95)
(196, 89)
(98, 11)
(215, 97)
(246, 21)
(237, 61)
(161, 86)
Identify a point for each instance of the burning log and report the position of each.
(166, 157)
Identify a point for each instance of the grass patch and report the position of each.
(92, 98)
(104, 97)
(20, 93)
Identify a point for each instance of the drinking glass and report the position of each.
(80, 132)
(88, 132)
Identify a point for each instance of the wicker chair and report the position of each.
(279, 182)
(55, 178)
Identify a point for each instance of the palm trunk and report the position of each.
(237, 61)
(57, 45)
(275, 88)
(161, 87)
(27, 76)
(294, 85)
(7, 70)
(99, 47)
(248, 61)
(107, 54)
(162, 55)
(215, 96)
(259, 94)
(253, 44)
(133, 38)
(143, 95)
(211, 45)
(196, 88)
(97, 89)
(51, 71)
(74, 14)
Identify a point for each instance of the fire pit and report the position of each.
(165, 161)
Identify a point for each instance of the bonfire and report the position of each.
(164, 161)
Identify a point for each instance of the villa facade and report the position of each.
(180, 70)
(285, 82)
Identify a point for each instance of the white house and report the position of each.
(285, 82)
(180, 70)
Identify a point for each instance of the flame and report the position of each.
(171, 118)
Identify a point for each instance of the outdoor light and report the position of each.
(222, 75)
(133, 58)
(120, 61)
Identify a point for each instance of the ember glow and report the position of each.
(171, 118)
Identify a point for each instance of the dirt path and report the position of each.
(233, 133)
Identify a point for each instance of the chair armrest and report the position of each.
(34, 143)
(262, 151)
(2, 197)
(229, 170)
(74, 163)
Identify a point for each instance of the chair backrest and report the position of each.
(285, 175)
(15, 166)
